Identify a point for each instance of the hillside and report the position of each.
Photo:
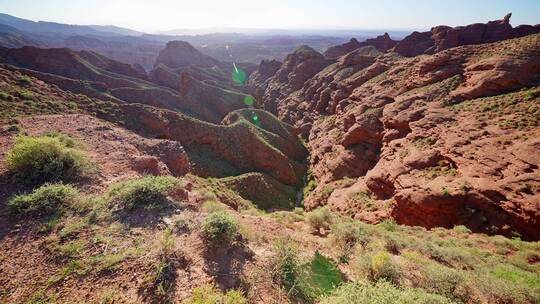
(361, 175)
(384, 122)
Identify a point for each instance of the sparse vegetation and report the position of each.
(160, 284)
(364, 202)
(443, 169)
(209, 294)
(517, 110)
(47, 159)
(44, 201)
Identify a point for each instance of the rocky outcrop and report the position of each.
(297, 68)
(259, 79)
(444, 37)
(179, 54)
(400, 137)
(382, 43)
(340, 50)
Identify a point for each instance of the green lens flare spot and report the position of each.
(238, 75)
(255, 118)
(249, 100)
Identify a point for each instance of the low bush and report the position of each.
(394, 244)
(460, 229)
(44, 201)
(148, 192)
(483, 287)
(46, 159)
(441, 280)
(389, 225)
(209, 294)
(219, 228)
(319, 218)
(381, 293)
(63, 138)
(286, 266)
(378, 266)
(25, 80)
(347, 234)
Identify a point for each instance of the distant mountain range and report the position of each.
(134, 47)
(67, 29)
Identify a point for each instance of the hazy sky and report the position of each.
(151, 15)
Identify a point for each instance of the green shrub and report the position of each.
(441, 280)
(516, 275)
(381, 293)
(286, 266)
(63, 138)
(319, 218)
(149, 192)
(309, 187)
(25, 80)
(460, 229)
(5, 96)
(348, 234)
(25, 94)
(44, 201)
(219, 228)
(394, 244)
(483, 287)
(389, 225)
(379, 266)
(46, 159)
(209, 294)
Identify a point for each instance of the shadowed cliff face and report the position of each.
(432, 140)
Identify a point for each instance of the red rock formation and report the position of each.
(382, 43)
(388, 123)
(297, 68)
(444, 37)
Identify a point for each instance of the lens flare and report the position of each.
(238, 75)
(249, 100)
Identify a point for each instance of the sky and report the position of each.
(159, 15)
